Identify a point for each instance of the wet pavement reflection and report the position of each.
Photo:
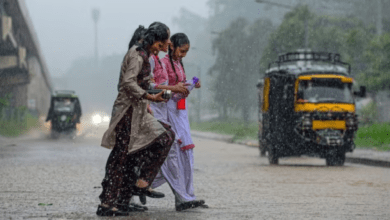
(233, 180)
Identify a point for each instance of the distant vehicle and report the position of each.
(307, 107)
(64, 113)
(100, 118)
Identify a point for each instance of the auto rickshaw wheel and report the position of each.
(262, 148)
(54, 134)
(273, 158)
(262, 152)
(336, 159)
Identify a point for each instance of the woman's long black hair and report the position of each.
(157, 31)
(137, 36)
(177, 40)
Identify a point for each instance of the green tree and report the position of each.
(347, 36)
(377, 75)
(238, 48)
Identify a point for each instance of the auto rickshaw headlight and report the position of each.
(97, 119)
(63, 117)
(350, 121)
(306, 122)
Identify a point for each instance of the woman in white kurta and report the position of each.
(178, 168)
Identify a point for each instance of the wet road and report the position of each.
(233, 180)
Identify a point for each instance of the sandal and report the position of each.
(131, 208)
(147, 192)
(104, 211)
(189, 205)
(132, 204)
(142, 199)
(204, 206)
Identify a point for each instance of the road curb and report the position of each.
(369, 162)
(250, 143)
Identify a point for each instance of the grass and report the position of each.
(14, 129)
(375, 136)
(229, 127)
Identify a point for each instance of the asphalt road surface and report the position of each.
(233, 180)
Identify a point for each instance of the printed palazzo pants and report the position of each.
(123, 169)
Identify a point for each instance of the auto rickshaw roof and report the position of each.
(301, 62)
(64, 94)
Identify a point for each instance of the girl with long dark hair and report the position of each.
(160, 76)
(178, 169)
(160, 81)
(138, 36)
(138, 141)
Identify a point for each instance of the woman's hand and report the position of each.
(197, 85)
(149, 109)
(155, 98)
(181, 88)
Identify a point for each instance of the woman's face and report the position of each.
(180, 52)
(158, 46)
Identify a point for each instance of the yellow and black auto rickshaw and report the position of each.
(307, 107)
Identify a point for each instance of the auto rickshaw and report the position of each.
(64, 113)
(307, 107)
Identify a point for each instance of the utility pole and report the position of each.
(95, 17)
(379, 27)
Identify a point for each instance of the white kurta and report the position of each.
(177, 169)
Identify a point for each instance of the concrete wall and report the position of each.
(38, 94)
(18, 92)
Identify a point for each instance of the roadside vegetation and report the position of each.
(372, 133)
(376, 136)
(15, 121)
(370, 136)
(235, 127)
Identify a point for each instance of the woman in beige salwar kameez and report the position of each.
(140, 143)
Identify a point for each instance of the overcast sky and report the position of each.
(65, 29)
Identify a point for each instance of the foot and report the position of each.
(204, 206)
(113, 211)
(130, 208)
(154, 194)
(142, 184)
(138, 206)
(143, 192)
(142, 199)
(189, 205)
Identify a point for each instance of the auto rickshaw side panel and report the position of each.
(278, 119)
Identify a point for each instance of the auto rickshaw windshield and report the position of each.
(64, 105)
(324, 91)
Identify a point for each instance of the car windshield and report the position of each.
(324, 91)
(64, 105)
